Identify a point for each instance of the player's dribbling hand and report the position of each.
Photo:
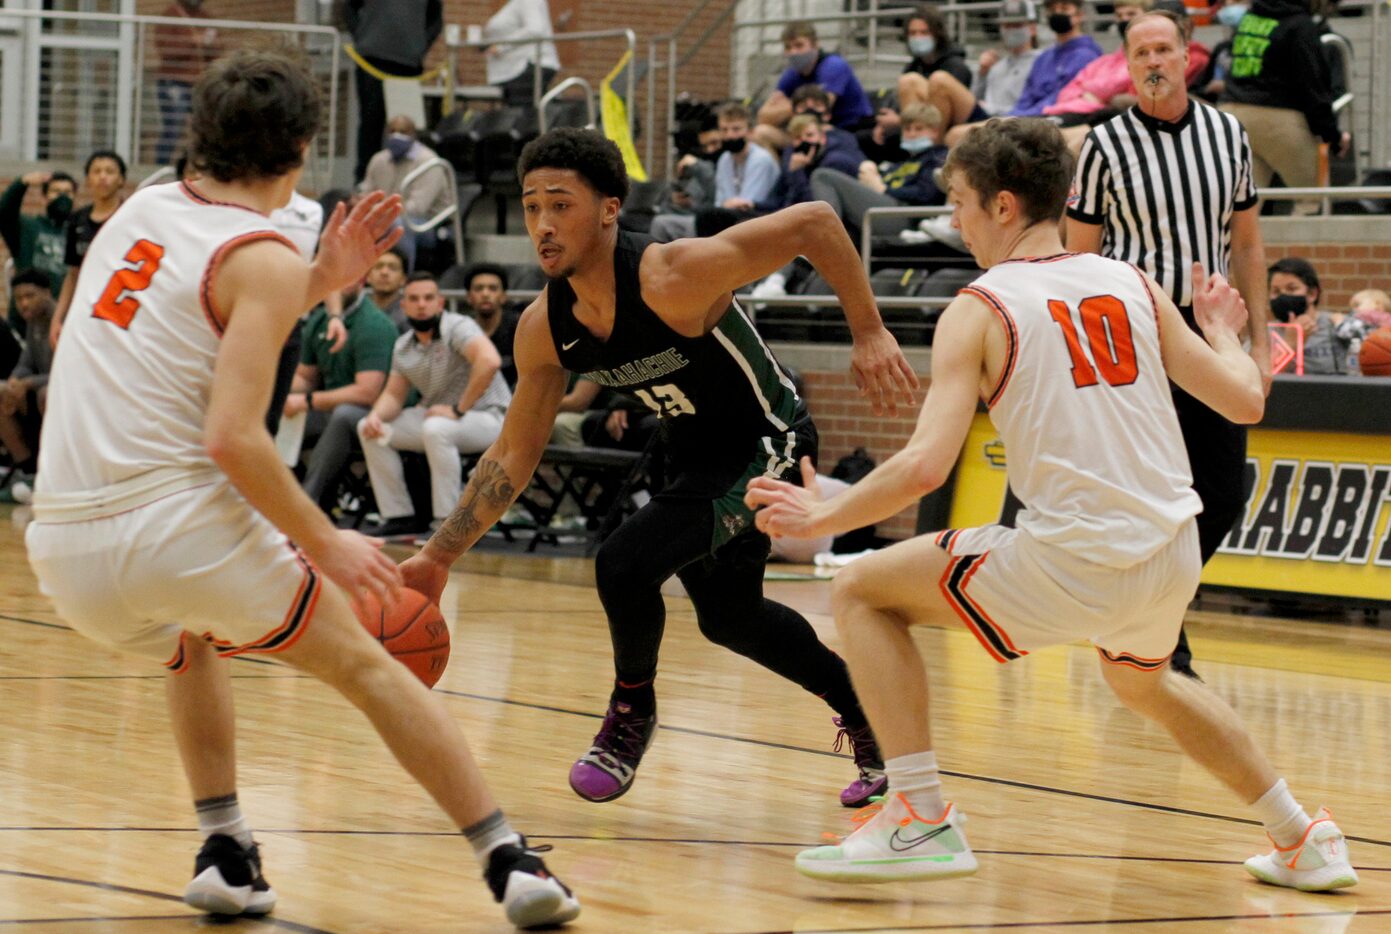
(425, 576)
(783, 509)
(356, 563)
(882, 372)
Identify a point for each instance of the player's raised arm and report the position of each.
(1218, 372)
(506, 467)
(687, 277)
(958, 362)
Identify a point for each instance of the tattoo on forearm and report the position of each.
(489, 486)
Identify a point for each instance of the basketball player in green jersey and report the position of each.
(659, 322)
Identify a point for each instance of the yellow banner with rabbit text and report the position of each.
(1317, 518)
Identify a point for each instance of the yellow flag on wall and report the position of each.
(614, 116)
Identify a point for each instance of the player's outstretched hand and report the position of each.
(1216, 304)
(352, 240)
(882, 372)
(785, 510)
(425, 576)
(356, 563)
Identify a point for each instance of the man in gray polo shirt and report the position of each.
(455, 368)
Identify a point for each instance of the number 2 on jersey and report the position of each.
(1107, 325)
(116, 306)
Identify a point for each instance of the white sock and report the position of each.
(915, 777)
(1282, 816)
(223, 815)
(490, 833)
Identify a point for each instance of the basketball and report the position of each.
(1375, 356)
(412, 630)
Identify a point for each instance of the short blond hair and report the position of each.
(798, 124)
(1375, 296)
(922, 115)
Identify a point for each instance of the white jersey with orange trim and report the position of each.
(133, 373)
(1084, 408)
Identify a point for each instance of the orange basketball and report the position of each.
(412, 630)
(1375, 356)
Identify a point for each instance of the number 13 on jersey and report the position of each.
(117, 304)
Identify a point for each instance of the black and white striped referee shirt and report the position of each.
(1164, 193)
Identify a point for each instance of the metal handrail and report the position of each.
(450, 212)
(536, 96)
(1344, 101)
(574, 81)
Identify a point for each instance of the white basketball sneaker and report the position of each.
(893, 843)
(1317, 863)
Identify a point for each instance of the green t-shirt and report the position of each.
(34, 240)
(371, 335)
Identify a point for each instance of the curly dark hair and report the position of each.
(936, 24)
(485, 269)
(253, 113)
(594, 157)
(1022, 155)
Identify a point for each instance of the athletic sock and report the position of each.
(640, 697)
(915, 777)
(490, 833)
(1282, 816)
(223, 815)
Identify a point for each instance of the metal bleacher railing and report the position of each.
(71, 83)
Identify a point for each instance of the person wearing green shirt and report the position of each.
(37, 241)
(335, 389)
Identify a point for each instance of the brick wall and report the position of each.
(270, 11)
(1343, 268)
(846, 421)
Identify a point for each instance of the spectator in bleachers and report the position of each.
(694, 188)
(392, 37)
(1281, 89)
(22, 396)
(183, 52)
(1052, 69)
(463, 397)
(37, 241)
(513, 67)
(808, 64)
(1219, 67)
(429, 194)
(105, 174)
(386, 279)
(814, 146)
(744, 175)
(1001, 73)
(1373, 308)
(934, 57)
(1294, 299)
(909, 182)
(334, 389)
(486, 285)
(580, 396)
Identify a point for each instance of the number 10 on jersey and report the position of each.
(1107, 326)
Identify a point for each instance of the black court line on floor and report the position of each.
(595, 838)
(769, 744)
(1094, 922)
(146, 893)
(183, 918)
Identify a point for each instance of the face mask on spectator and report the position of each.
(915, 145)
(59, 208)
(398, 144)
(1060, 23)
(734, 145)
(1287, 307)
(1231, 14)
(922, 46)
(803, 62)
(1014, 37)
(424, 324)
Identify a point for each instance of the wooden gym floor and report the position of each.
(1084, 818)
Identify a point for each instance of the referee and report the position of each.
(1164, 185)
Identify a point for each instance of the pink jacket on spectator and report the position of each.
(1107, 76)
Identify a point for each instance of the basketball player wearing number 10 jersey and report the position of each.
(1072, 354)
(165, 524)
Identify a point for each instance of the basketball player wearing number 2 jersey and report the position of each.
(659, 323)
(165, 524)
(1071, 354)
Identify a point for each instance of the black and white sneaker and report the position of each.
(227, 880)
(530, 895)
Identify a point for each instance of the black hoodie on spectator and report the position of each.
(952, 60)
(1277, 61)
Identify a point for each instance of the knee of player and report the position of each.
(850, 588)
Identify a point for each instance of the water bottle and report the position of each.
(1354, 348)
